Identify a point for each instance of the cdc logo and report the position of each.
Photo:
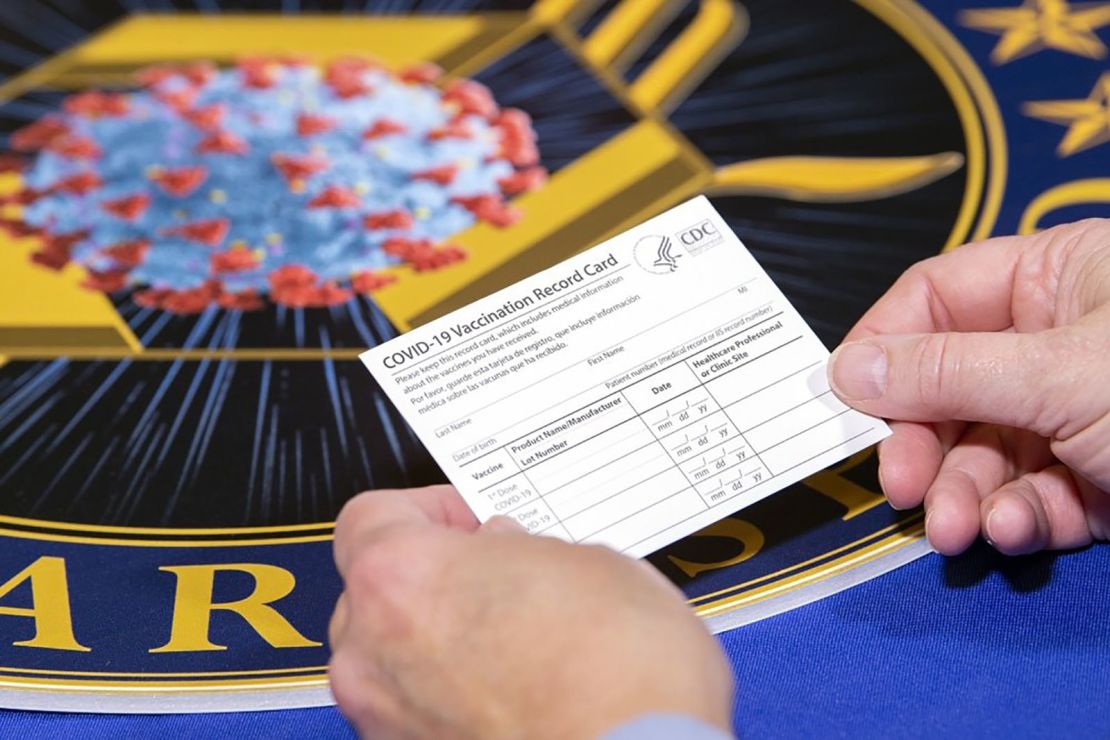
(700, 237)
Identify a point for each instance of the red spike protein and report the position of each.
(272, 181)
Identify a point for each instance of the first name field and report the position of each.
(630, 395)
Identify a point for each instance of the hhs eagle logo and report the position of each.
(655, 253)
(209, 217)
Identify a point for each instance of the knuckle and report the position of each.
(375, 567)
(936, 369)
(353, 689)
(1061, 361)
(345, 682)
(916, 281)
(1069, 345)
(367, 505)
(337, 625)
(1073, 262)
(388, 563)
(368, 517)
(1070, 235)
(1054, 354)
(383, 600)
(1051, 248)
(918, 270)
(352, 512)
(355, 503)
(596, 554)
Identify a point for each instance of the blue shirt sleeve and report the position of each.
(666, 727)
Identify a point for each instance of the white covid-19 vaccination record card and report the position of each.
(630, 395)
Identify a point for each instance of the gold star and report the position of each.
(1088, 121)
(1042, 24)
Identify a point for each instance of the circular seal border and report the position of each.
(986, 174)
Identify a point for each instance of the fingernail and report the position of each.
(988, 535)
(858, 371)
(928, 529)
(882, 487)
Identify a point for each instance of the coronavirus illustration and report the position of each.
(274, 180)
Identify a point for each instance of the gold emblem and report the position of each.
(1042, 24)
(635, 174)
(1088, 121)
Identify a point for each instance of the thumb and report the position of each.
(1000, 377)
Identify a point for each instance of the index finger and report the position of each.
(968, 289)
(369, 513)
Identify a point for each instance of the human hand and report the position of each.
(994, 360)
(448, 629)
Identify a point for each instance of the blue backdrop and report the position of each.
(974, 646)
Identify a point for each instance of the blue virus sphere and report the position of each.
(274, 180)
